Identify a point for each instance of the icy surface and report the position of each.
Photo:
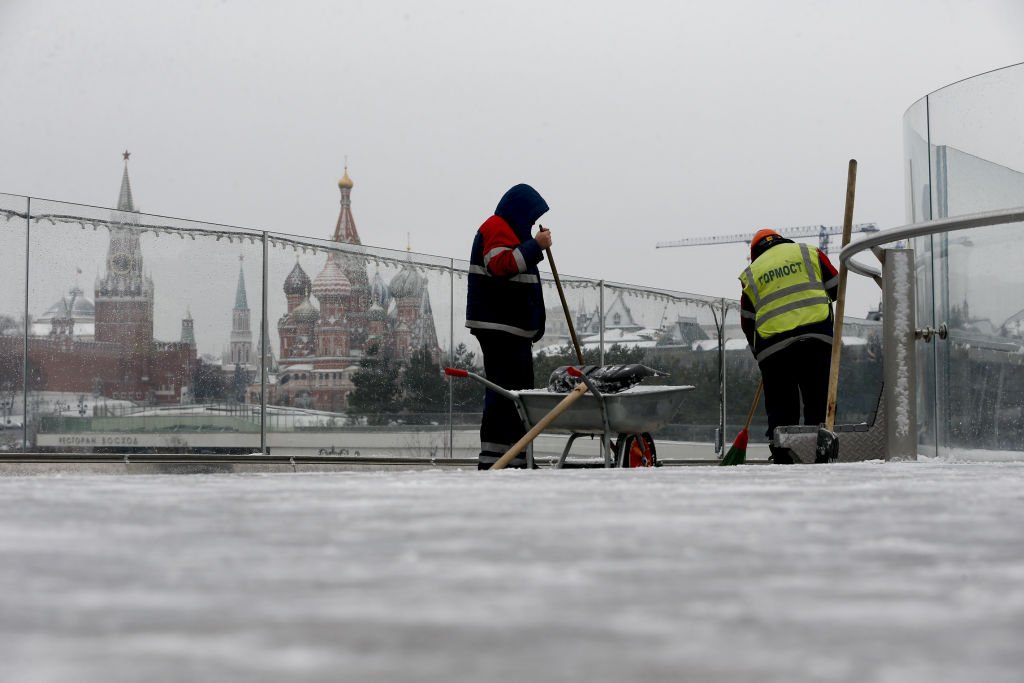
(860, 572)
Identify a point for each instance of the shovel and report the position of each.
(827, 448)
(565, 304)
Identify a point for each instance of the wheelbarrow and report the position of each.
(631, 415)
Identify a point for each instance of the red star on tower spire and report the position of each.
(126, 154)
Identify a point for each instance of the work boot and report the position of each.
(780, 456)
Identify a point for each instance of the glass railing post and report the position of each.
(264, 347)
(451, 359)
(900, 366)
(24, 350)
(720, 325)
(600, 300)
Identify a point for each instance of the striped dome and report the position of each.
(331, 282)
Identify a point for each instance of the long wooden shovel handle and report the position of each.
(562, 406)
(565, 305)
(837, 334)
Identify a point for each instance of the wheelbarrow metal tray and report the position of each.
(636, 410)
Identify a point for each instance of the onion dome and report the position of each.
(331, 282)
(345, 183)
(305, 313)
(297, 283)
(407, 283)
(376, 313)
(379, 293)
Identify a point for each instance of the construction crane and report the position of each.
(822, 232)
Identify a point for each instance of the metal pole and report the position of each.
(451, 359)
(264, 353)
(24, 348)
(936, 408)
(900, 354)
(600, 304)
(723, 411)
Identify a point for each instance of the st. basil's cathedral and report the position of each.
(332, 323)
(355, 316)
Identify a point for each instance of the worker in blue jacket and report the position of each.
(505, 311)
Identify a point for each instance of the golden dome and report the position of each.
(345, 183)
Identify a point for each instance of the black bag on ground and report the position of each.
(608, 379)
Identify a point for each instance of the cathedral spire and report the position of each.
(240, 301)
(345, 230)
(124, 199)
(241, 335)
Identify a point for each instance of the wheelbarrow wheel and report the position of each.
(636, 450)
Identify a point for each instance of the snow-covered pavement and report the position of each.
(893, 572)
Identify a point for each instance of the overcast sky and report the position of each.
(639, 122)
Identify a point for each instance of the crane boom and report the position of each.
(822, 232)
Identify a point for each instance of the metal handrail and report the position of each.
(906, 232)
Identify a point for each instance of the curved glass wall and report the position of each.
(964, 154)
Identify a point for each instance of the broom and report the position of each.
(737, 455)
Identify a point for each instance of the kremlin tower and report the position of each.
(124, 295)
(121, 359)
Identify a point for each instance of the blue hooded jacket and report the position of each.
(505, 292)
(520, 207)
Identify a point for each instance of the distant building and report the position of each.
(188, 329)
(353, 316)
(113, 354)
(73, 314)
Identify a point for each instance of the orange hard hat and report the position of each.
(762, 234)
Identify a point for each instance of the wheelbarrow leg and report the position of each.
(565, 451)
(606, 430)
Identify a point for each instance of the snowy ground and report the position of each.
(850, 572)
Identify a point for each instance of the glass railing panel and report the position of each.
(977, 152)
(467, 396)
(676, 333)
(860, 371)
(916, 160)
(142, 334)
(360, 338)
(555, 348)
(741, 377)
(13, 213)
(918, 201)
(981, 375)
(976, 163)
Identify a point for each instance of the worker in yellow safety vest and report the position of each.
(786, 315)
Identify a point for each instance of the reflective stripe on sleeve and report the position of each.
(494, 252)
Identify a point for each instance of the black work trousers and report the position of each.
(795, 375)
(508, 362)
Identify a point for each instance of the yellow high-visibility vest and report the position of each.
(785, 286)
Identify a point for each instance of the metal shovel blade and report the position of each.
(827, 448)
